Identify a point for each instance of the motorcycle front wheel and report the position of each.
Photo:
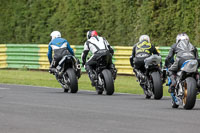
(108, 81)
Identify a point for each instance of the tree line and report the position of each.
(121, 22)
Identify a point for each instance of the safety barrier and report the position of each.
(34, 56)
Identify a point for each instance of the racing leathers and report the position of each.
(94, 45)
(183, 50)
(141, 50)
(61, 47)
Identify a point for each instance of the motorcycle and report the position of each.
(187, 81)
(67, 73)
(151, 81)
(104, 75)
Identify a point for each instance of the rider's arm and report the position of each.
(170, 56)
(155, 51)
(69, 48)
(49, 54)
(132, 56)
(196, 53)
(109, 47)
(197, 56)
(85, 53)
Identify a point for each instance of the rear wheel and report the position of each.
(190, 93)
(108, 81)
(73, 82)
(157, 85)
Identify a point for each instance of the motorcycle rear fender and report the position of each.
(69, 62)
(189, 66)
(67, 57)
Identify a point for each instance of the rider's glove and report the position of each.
(131, 61)
(50, 71)
(132, 64)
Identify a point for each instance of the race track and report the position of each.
(27, 109)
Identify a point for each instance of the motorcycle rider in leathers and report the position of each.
(61, 47)
(183, 50)
(141, 51)
(94, 44)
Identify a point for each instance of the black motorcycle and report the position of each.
(151, 81)
(105, 75)
(67, 73)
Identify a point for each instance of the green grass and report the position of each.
(123, 84)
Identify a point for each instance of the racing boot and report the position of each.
(91, 75)
(52, 70)
(114, 71)
(78, 66)
(93, 78)
(147, 93)
(198, 82)
(173, 84)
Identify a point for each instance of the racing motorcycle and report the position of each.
(67, 73)
(105, 75)
(187, 81)
(151, 81)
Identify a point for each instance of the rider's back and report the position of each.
(184, 49)
(58, 43)
(96, 43)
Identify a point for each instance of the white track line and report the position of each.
(4, 88)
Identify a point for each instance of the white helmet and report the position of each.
(55, 34)
(144, 37)
(182, 36)
(89, 34)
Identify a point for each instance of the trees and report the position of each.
(120, 21)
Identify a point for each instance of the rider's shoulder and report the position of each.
(60, 39)
(174, 45)
(63, 39)
(134, 45)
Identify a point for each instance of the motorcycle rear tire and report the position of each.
(190, 99)
(157, 85)
(108, 82)
(73, 80)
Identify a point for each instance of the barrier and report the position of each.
(34, 56)
(121, 59)
(3, 56)
(22, 56)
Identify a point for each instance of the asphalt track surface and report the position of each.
(28, 109)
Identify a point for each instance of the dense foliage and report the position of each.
(120, 21)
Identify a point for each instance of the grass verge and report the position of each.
(123, 84)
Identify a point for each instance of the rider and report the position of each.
(184, 50)
(60, 46)
(94, 44)
(142, 50)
